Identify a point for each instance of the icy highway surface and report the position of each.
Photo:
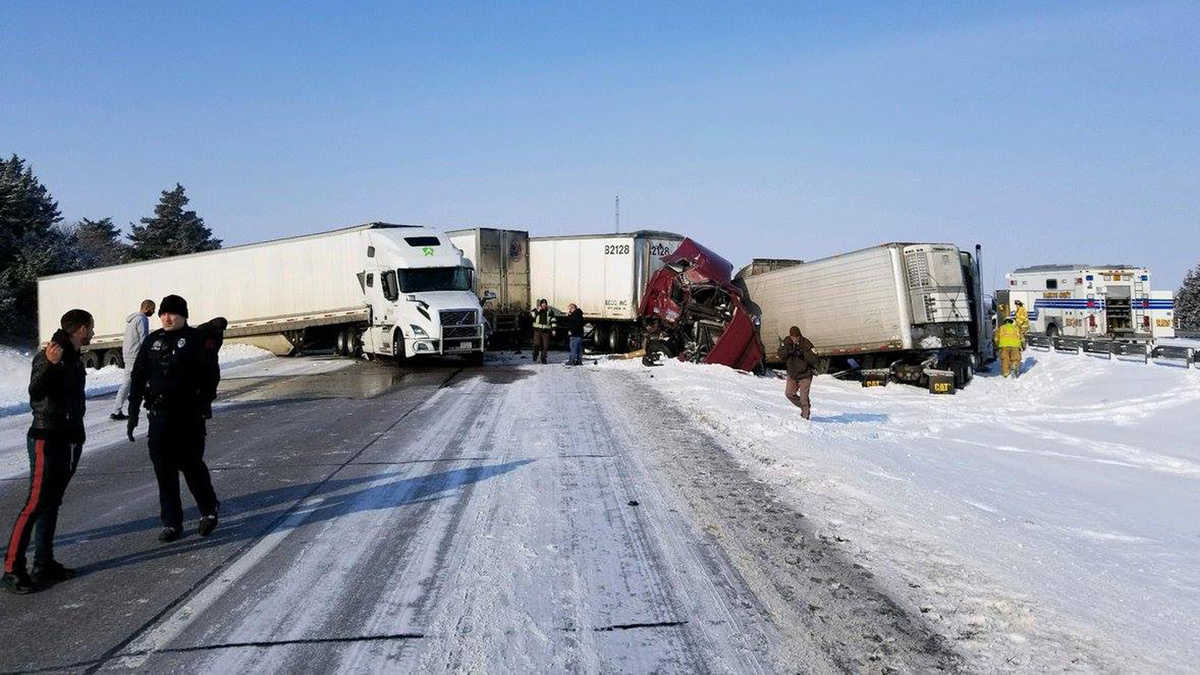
(504, 518)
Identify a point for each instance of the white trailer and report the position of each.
(603, 274)
(1091, 301)
(905, 307)
(376, 289)
(500, 259)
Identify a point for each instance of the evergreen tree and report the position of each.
(1187, 301)
(30, 246)
(98, 243)
(172, 230)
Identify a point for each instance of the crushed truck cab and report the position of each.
(692, 310)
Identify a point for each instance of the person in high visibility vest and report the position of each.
(1008, 343)
(1022, 321)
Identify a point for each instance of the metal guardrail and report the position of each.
(1122, 349)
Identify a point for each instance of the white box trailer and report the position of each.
(902, 306)
(1091, 301)
(380, 288)
(603, 274)
(500, 258)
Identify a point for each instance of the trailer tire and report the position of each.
(341, 347)
(112, 357)
(90, 360)
(1052, 331)
(600, 336)
(616, 340)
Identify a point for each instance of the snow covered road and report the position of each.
(509, 518)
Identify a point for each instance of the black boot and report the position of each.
(17, 582)
(48, 574)
(207, 525)
(169, 534)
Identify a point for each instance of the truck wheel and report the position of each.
(90, 360)
(341, 346)
(398, 347)
(1052, 331)
(112, 357)
(616, 340)
(600, 336)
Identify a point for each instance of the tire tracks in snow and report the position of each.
(814, 593)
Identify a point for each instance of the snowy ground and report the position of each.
(237, 361)
(1046, 523)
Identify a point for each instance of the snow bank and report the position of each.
(1046, 522)
(15, 363)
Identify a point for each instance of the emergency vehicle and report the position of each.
(1089, 301)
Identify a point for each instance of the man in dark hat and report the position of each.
(544, 323)
(55, 443)
(176, 377)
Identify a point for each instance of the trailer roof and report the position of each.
(634, 233)
(352, 228)
(464, 230)
(1071, 268)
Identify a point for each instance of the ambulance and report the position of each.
(1090, 301)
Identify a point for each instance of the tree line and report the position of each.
(34, 242)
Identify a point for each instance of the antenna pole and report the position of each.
(618, 213)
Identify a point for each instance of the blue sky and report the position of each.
(1060, 132)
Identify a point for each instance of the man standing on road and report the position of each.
(543, 326)
(55, 443)
(137, 327)
(1008, 341)
(802, 361)
(574, 324)
(177, 379)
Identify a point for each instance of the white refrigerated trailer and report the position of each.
(376, 289)
(901, 306)
(603, 274)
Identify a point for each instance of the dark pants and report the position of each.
(51, 465)
(576, 351)
(796, 391)
(177, 446)
(541, 344)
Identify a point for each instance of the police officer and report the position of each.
(176, 377)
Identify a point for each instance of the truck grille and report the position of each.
(458, 317)
(450, 332)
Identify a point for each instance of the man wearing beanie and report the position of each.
(176, 378)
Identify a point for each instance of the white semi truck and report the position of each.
(908, 308)
(375, 289)
(603, 274)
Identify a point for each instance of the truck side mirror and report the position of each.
(488, 296)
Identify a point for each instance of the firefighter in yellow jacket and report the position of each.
(1022, 316)
(1008, 342)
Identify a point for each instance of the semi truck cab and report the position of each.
(418, 287)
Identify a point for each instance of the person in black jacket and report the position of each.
(55, 443)
(176, 376)
(574, 324)
(802, 362)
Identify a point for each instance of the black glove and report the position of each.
(134, 412)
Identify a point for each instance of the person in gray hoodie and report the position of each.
(137, 327)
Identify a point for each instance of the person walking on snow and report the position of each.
(574, 324)
(1008, 342)
(137, 327)
(1022, 321)
(55, 443)
(176, 375)
(802, 361)
(544, 323)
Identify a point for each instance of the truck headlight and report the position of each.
(417, 331)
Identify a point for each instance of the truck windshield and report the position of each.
(435, 279)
